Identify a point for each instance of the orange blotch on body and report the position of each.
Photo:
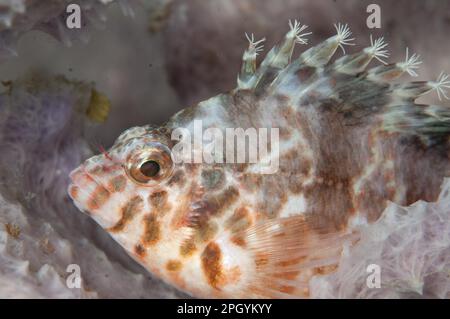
(152, 230)
(239, 221)
(159, 202)
(98, 198)
(129, 211)
(174, 265)
(117, 184)
(187, 248)
(73, 191)
(211, 264)
(140, 251)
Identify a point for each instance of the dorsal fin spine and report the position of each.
(322, 53)
(384, 73)
(248, 68)
(356, 63)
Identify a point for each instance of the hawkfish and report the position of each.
(350, 139)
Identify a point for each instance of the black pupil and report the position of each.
(150, 168)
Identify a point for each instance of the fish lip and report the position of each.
(75, 183)
(79, 173)
(79, 178)
(73, 175)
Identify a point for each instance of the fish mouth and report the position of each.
(91, 196)
(81, 188)
(75, 189)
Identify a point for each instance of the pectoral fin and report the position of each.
(287, 253)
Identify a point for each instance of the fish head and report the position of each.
(161, 210)
(130, 189)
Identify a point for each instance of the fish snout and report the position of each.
(101, 193)
(82, 190)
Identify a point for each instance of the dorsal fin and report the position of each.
(312, 80)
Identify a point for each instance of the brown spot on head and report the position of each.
(129, 210)
(152, 230)
(173, 265)
(98, 198)
(159, 202)
(158, 199)
(182, 214)
(211, 264)
(187, 248)
(117, 183)
(216, 204)
(239, 221)
(140, 250)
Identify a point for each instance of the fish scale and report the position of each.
(350, 142)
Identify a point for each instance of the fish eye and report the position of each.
(150, 168)
(150, 165)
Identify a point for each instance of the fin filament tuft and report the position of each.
(440, 85)
(254, 46)
(376, 49)
(295, 32)
(343, 35)
(410, 63)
